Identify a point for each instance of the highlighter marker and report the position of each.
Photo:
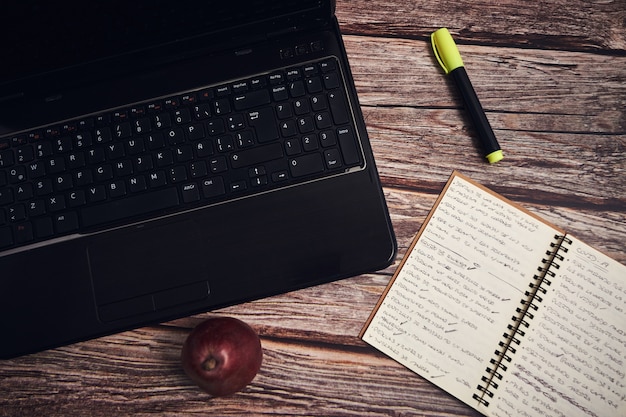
(450, 60)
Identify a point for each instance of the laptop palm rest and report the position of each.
(125, 287)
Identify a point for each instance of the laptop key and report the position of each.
(347, 142)
(6, 237)
(306, 165)
(17, 213)
(338, 107)
(264, 123)
(333, 158)
(66, 222)
(23, 232)
(191, 192)
(131, 206)
(251, 99)
(213, 187)
(6, 196)
(43, 227)
(256, 156)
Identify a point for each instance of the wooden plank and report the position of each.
(563, 91)
(577, 25)
(137, 373)
(413, 147)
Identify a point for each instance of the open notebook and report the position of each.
(505, 311)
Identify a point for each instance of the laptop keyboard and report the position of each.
(194, 149)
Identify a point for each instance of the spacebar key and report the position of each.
(131, 206)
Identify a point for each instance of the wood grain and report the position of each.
(552, 79)
(579, 25)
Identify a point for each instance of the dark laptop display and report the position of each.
(159, 159)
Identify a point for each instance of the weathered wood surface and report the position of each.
(578, 25)
(552, 79)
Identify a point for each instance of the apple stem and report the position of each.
(209, 364)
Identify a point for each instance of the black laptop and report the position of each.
(162, 158)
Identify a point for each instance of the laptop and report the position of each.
(165, 158)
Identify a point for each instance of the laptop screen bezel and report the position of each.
(25, 73)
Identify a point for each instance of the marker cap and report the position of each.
(445, 50)
(495, 156)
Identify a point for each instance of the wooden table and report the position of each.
(551, 76)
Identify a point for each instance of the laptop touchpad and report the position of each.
(147, 266)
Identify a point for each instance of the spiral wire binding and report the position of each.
(507, 347)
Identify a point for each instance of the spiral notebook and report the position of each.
(506, 311)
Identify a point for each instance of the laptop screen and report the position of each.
(41, 36)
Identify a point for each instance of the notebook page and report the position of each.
(452, 299)
(572, 361)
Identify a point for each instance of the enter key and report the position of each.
(264, 123)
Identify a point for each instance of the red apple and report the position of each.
(222, 355)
